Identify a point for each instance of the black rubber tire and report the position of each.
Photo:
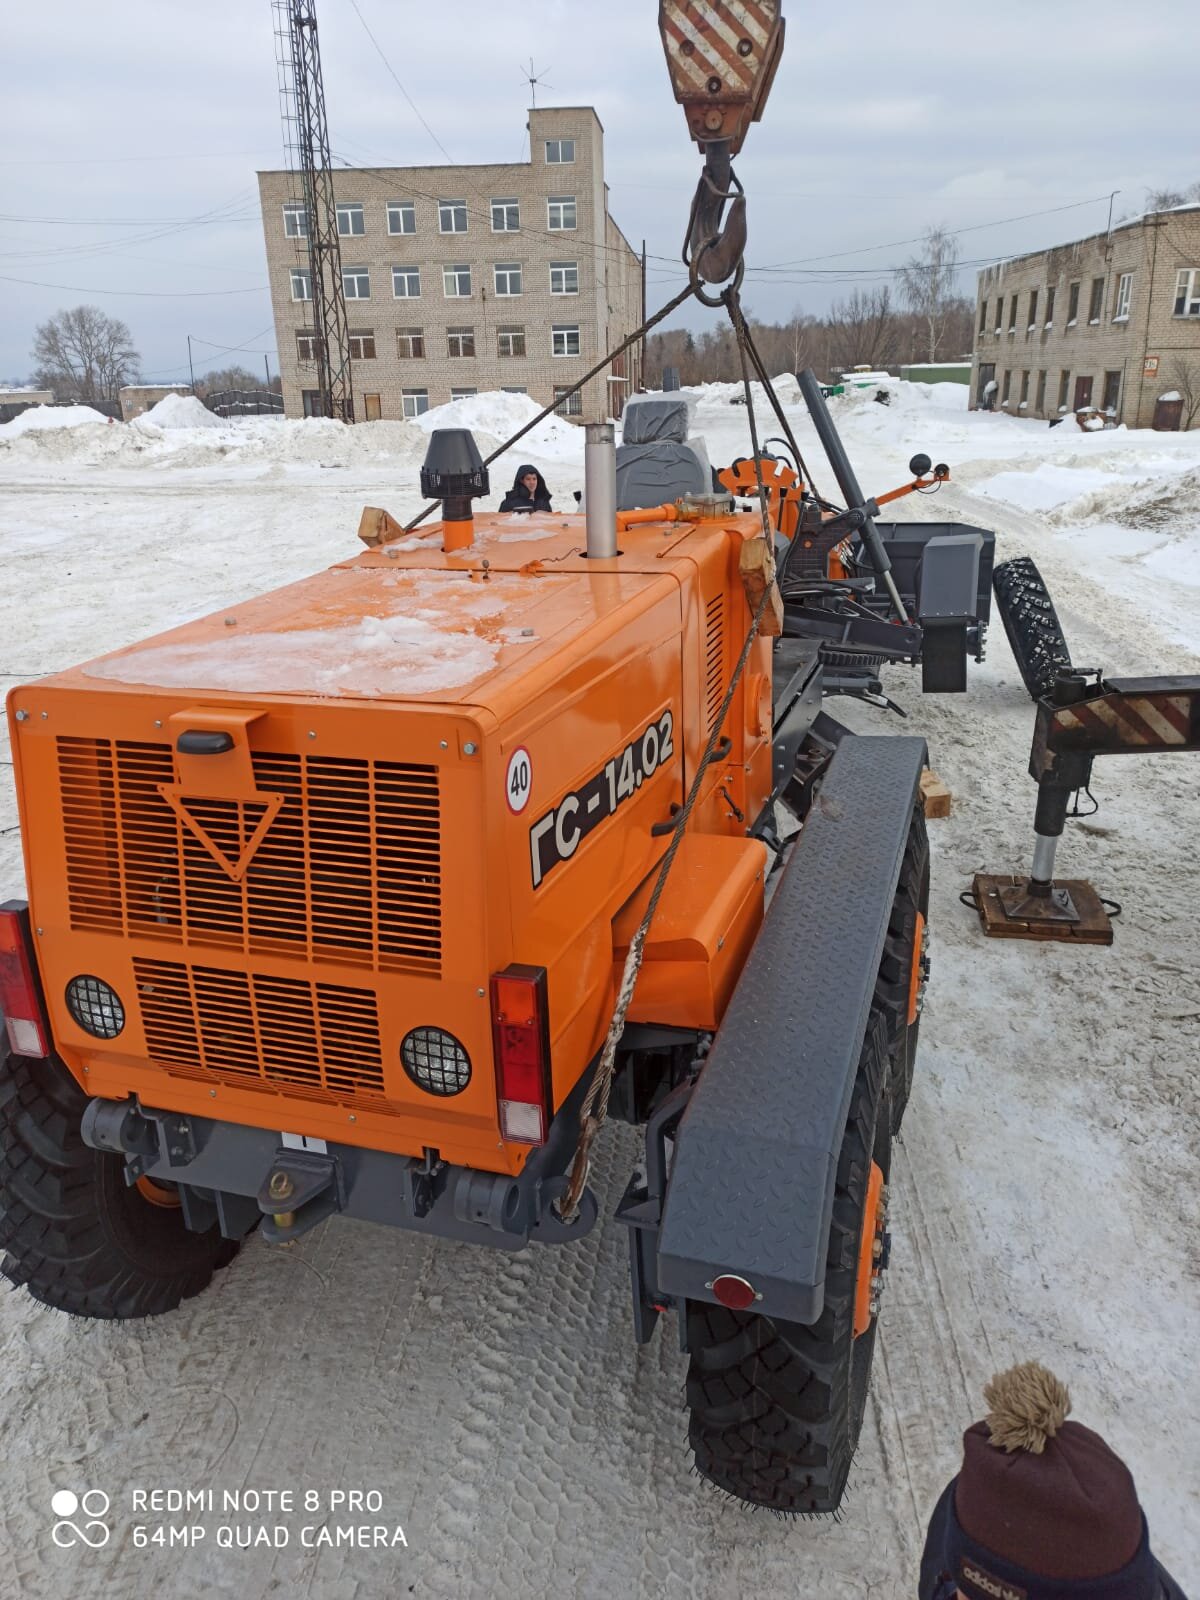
(1035, 635)
(71, 1231)
(776, 1408)
(894, 983)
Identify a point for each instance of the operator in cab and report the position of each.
(528, 493)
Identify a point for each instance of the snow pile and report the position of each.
(498, 415)
(40, 419)
(180, 411)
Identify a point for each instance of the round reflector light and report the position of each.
(734, 1292)
(435, 1061)
(96, 1008)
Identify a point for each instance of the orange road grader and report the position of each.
(354, 901)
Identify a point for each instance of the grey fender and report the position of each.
(750, 1189)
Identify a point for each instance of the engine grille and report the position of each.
(316, 1040)
(349, 871)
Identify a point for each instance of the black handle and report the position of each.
(199, 742)
(720, 750)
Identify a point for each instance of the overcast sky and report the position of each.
(131, 119)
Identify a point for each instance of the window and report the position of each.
(350, 219)
(1005, 390)
(508, 277)
(452, 216)
(460, 342)
(1096, 304)
(307, 345)
(414, 402)
(1124, 296)
(516, 390)
(560, 152)
(356, 283)
(1033, 300)
(568, 405)
(983, 305)
(362, 344)
(462, 394)
(1064, 389)
(456, 282)
(410, 343)
(1012, 315)
(1112, 392)
(506, 216)
(1073, 305)
(295, 220)
(564, 277)
(406, 283)
(1050, 306)
(402, 216)
(1187, 292)
(1040, 404)
(560, 212)
(510, 341)
(1024, 401)
(301, 284)
(564, 339)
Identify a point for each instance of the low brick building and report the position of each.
(465, 279)
(138, 398)
(1110, 323)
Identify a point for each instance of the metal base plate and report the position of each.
(994, 894)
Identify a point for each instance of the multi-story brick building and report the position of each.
(1110, 323)
(464, 279)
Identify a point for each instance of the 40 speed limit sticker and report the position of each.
(555, 837)
(518, 780)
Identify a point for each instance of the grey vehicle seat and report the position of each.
(656, 460)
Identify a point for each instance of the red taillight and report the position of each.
(19, 1003)
(734, 1292)
(521, 1038)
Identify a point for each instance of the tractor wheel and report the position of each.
(1031, 623)
(777, 1407)
(71, 1231)
(904, 969)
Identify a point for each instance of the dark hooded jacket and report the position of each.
(518, 497)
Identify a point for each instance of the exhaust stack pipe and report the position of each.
(600, 490)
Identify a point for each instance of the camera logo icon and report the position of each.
(92, 1504)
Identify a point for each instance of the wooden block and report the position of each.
(376, 527)
(935, 795)
(756, 565)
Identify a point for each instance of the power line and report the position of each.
(893, 244)
(140, 294)
(395, 79)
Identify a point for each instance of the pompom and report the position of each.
(1026, 1406)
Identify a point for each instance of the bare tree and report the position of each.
(927, 283)
(222, 379)
(84, 355)
(1167, 199)
(863, 329)
(1184, 373)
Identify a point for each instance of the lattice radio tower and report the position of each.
(306, 149)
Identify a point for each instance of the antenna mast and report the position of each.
(306, 147)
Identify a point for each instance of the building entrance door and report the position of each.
(371, 407)
(1083, 394)
(1168, 414)
(312, 402)
(987, 374)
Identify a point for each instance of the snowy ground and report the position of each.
(1046, 1188)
